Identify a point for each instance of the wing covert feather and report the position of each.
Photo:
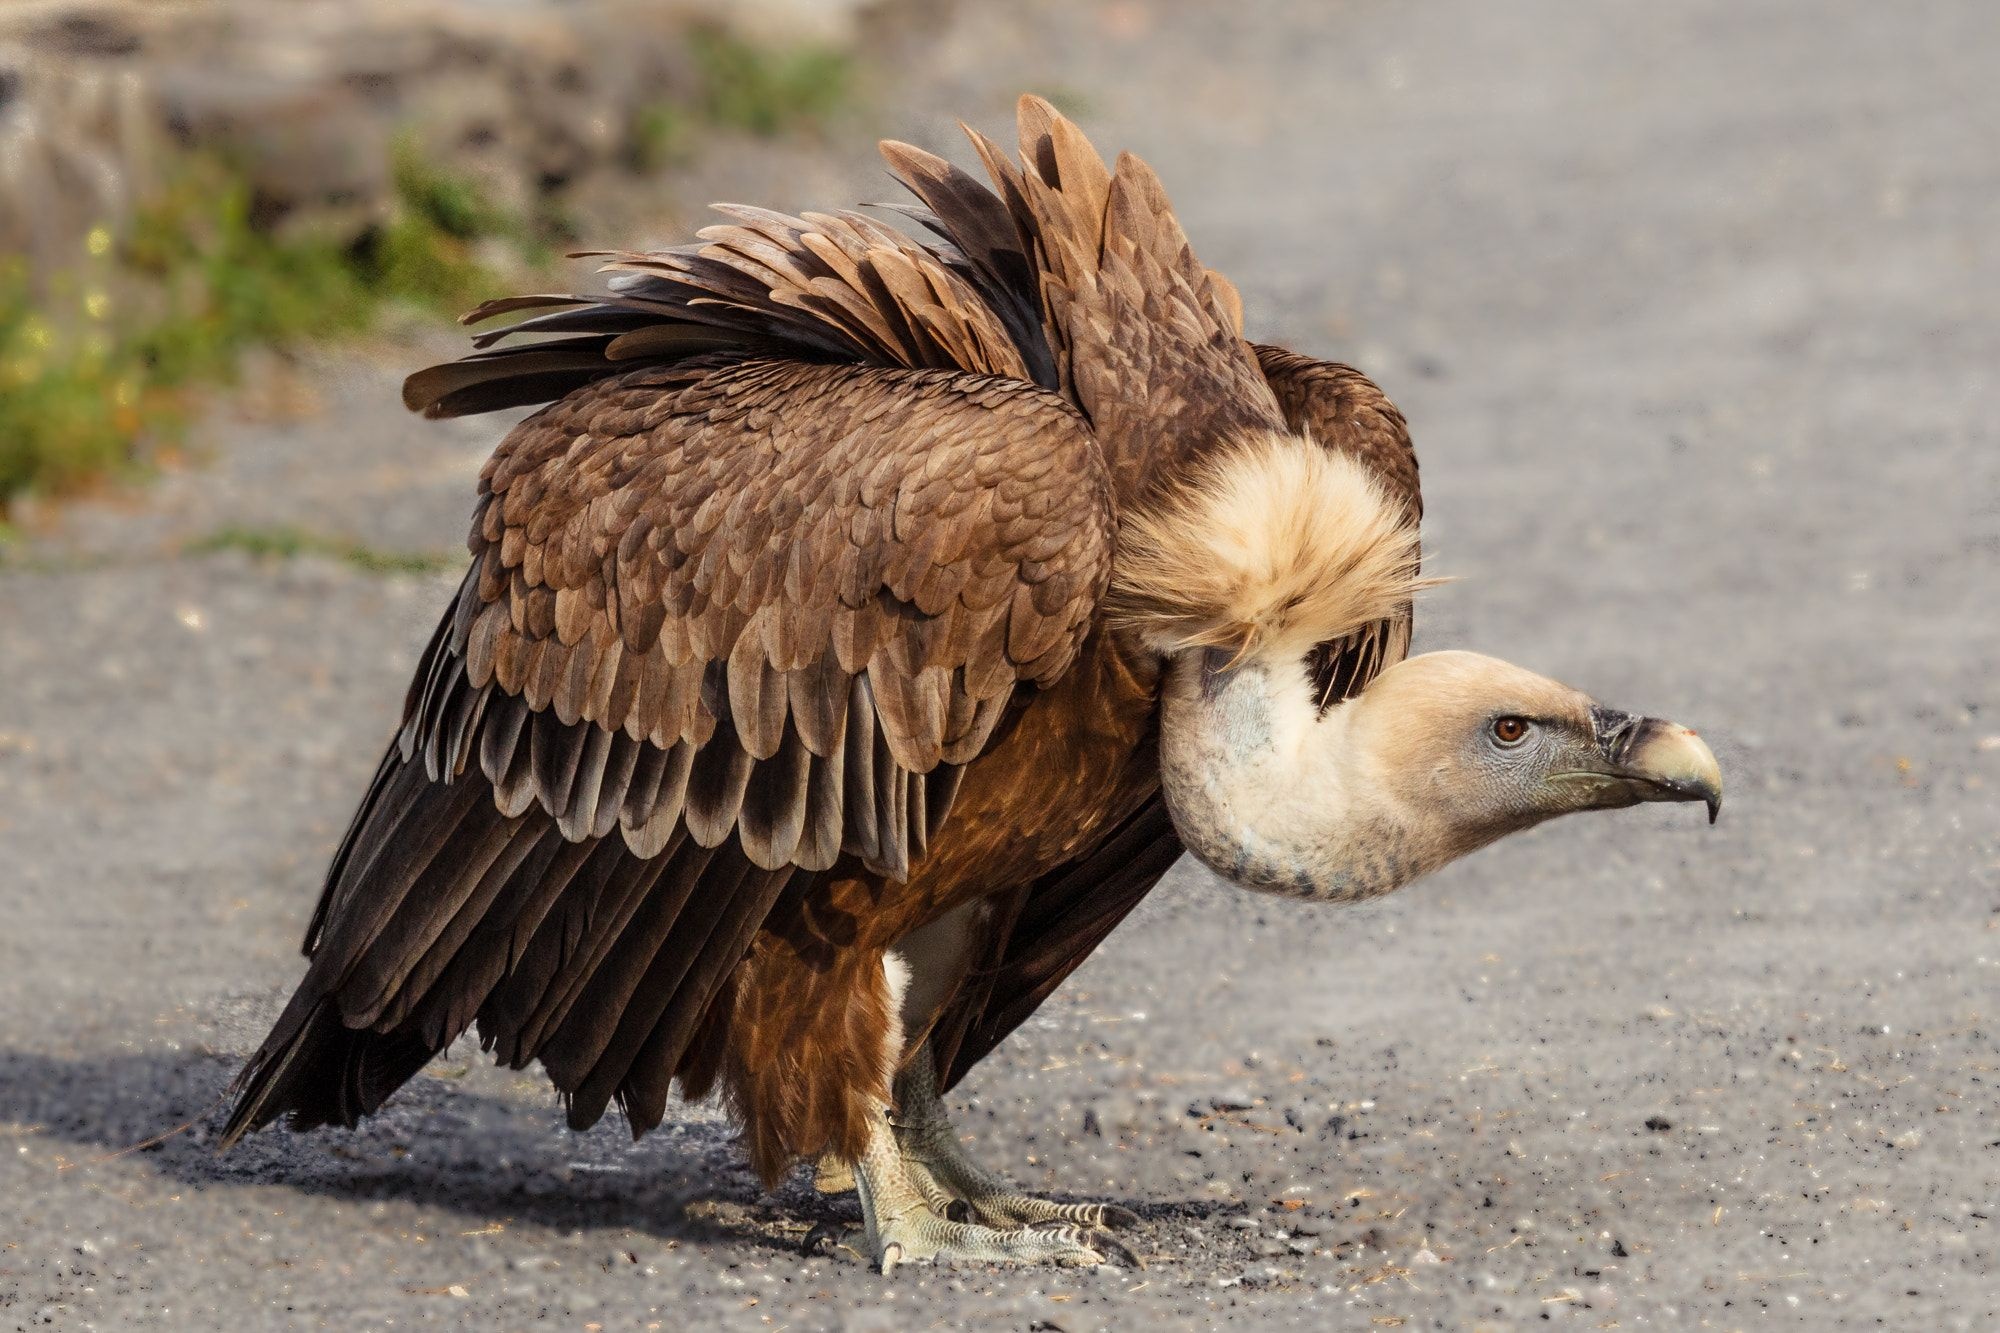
(706, 555)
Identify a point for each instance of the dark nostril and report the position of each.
(1613, 729)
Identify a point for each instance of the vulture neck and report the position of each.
(1273, 795)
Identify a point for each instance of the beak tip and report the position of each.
(1675, 761)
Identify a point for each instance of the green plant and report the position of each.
(453, 204)
(98, 365)
(286, 541)
(764, 91)
(89, 380)
(659, 136)
(74, 390)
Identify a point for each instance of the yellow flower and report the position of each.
(96, 304)
(99, 239)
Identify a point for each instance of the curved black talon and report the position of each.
(1117, 1218)
(958, 1210)
(824, 1238)
(1117, 1249)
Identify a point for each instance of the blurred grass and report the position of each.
(88, 387)
(286, 541)
(742, 86)
(767, 91)
(101, 366)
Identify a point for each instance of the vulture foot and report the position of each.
(922, 1234)
(959, 1188)
(956, 1187)
(904, 1211)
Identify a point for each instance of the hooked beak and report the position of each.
(1663, 761)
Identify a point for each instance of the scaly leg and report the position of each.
(902, 1227)
(832, 1175)
(931, 1149)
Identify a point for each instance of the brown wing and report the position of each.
(1146, 339)
(1069, 274)
(822, 287)
(1062, 918)
(777, 550)
(724, 624)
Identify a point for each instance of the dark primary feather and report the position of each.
(983, 236)
(839, 287)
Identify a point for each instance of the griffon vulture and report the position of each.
(859, 632)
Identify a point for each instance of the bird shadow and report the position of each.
(437, 1144)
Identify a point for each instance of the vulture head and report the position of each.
(1278, 547)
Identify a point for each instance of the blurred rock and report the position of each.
(531, 99)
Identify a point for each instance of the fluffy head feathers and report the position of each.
(1273, 546)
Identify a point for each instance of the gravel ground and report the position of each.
(1692, 309)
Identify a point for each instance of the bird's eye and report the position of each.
(1510, 730)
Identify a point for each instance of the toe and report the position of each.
(1064, 1246)
(927, 1236)
(1082, 1257)
(1018, 1210)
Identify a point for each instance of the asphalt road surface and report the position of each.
(1692, 308)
